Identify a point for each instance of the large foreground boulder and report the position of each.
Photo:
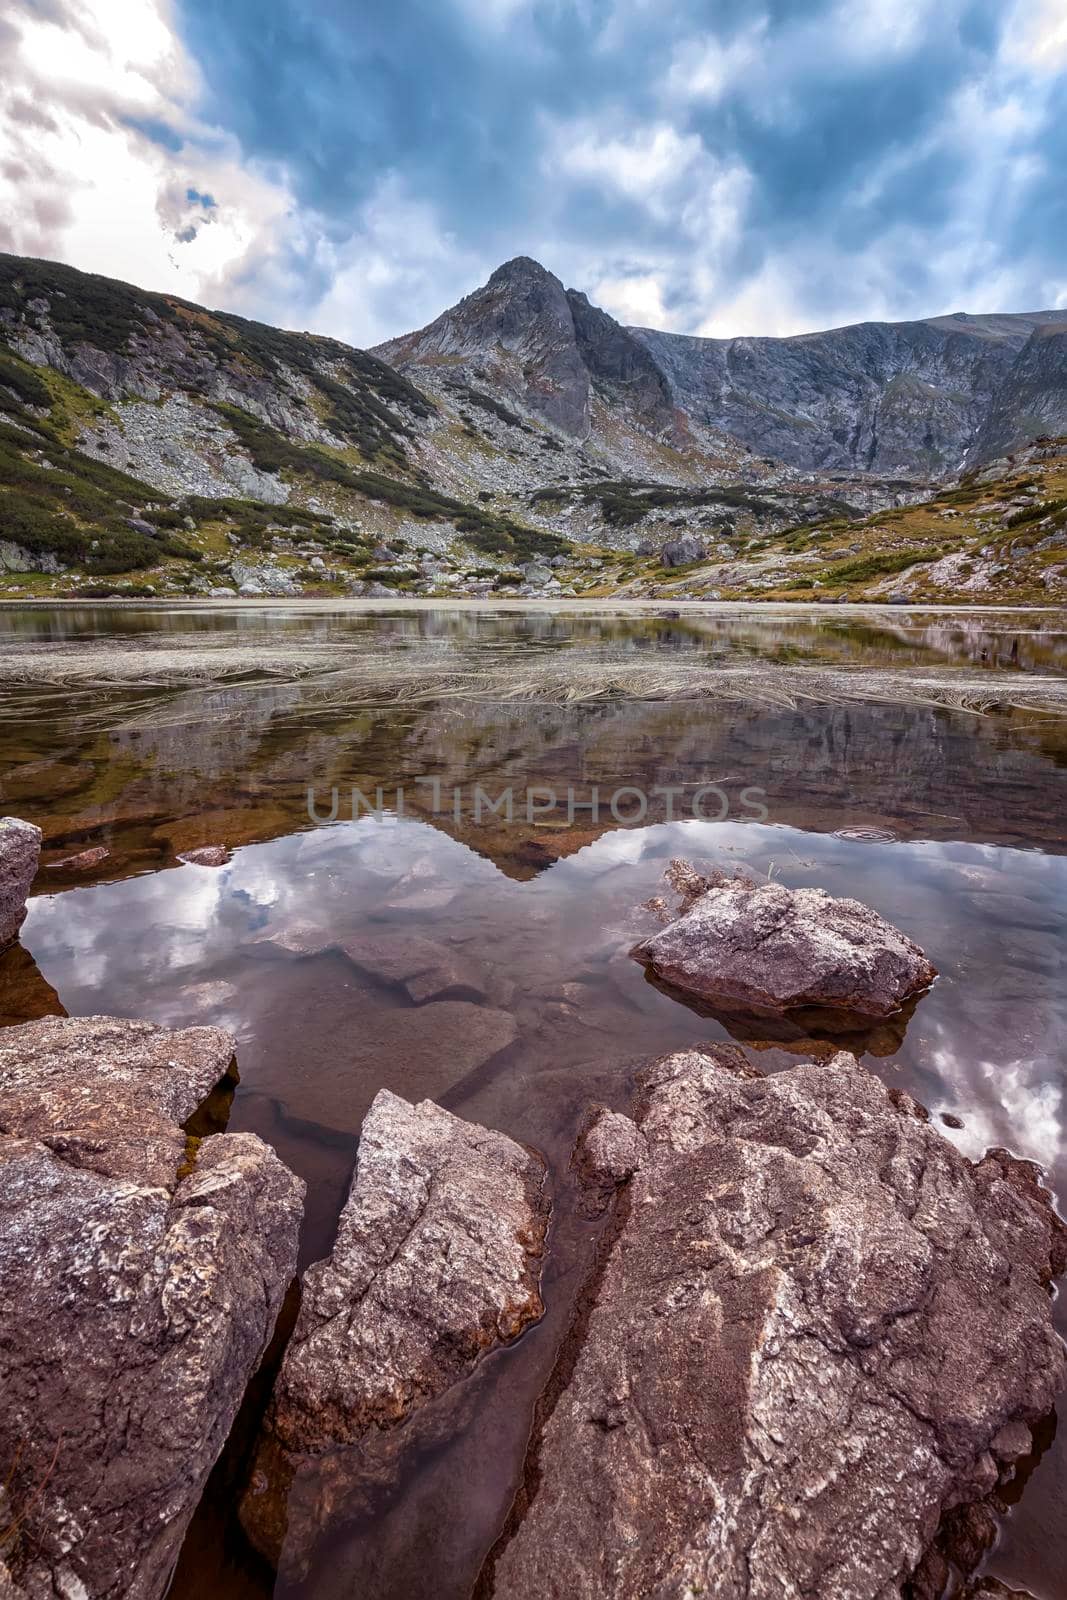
(437, 1262)
(762, 945)
(141, 1272)
(818, 1327)
(20, 851)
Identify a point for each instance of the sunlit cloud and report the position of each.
(725, 175)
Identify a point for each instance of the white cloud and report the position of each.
(636, 299)
(643, 166)
(80, 181)
(494, 14)
(397, 270)
(1036, 36)
(704, 69)
(858, 29)
(694, 203)
(671, 175)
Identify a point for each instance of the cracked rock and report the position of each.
(140, 1279)
(437, 1262)
(818, 1328)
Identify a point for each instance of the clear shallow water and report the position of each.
(540, 915)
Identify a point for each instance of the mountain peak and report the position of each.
(521, 269)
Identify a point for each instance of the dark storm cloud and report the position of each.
(701, 151)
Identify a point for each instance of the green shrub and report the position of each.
(878, 564)
(20, 377)
(1038, 513)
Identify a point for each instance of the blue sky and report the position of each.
(721, 169)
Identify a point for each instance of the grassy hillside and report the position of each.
(996, 536)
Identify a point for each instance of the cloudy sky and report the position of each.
(353, 166)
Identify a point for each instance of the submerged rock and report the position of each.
(818, 1328)
(140, 1277)
(205, 855)
(84, 861)
(427, 970)
(741, 943)
(25, 993)
(20, 851)
(437, 1262)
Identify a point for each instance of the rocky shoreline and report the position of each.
(142, 1275)
(810, 1343)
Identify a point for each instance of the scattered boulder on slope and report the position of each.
(141, 1273)
(762, 945)
(20, 851)
(682, 552)
(437, 1262)
(817, 1327)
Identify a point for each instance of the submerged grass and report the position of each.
(329, 679)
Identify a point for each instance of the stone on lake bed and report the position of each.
(20, 852)
(140, 1279)
(437, 1262)
(84, 861)
(427, 971)
(205, 855)
(762, 945)
(363, 1041)
(817, 1330)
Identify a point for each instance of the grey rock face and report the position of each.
(610, 1149)
(253, 580)
(138, 1289)
(766, 946)
(818, 1327)
(20, 851)
(14, 558)
(913, 397)
(620, 365)
(680, 552)
(1032, 397)
(520, 327)
(436, 1263)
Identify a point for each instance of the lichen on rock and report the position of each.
(437, 1262)
(135, 1302)
(741, 943)
(20, 852)
(818, 1328)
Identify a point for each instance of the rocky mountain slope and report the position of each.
(917, 398)
(524, 443)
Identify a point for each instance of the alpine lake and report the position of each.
(509, 785)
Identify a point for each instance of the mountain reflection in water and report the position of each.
(538, 919)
